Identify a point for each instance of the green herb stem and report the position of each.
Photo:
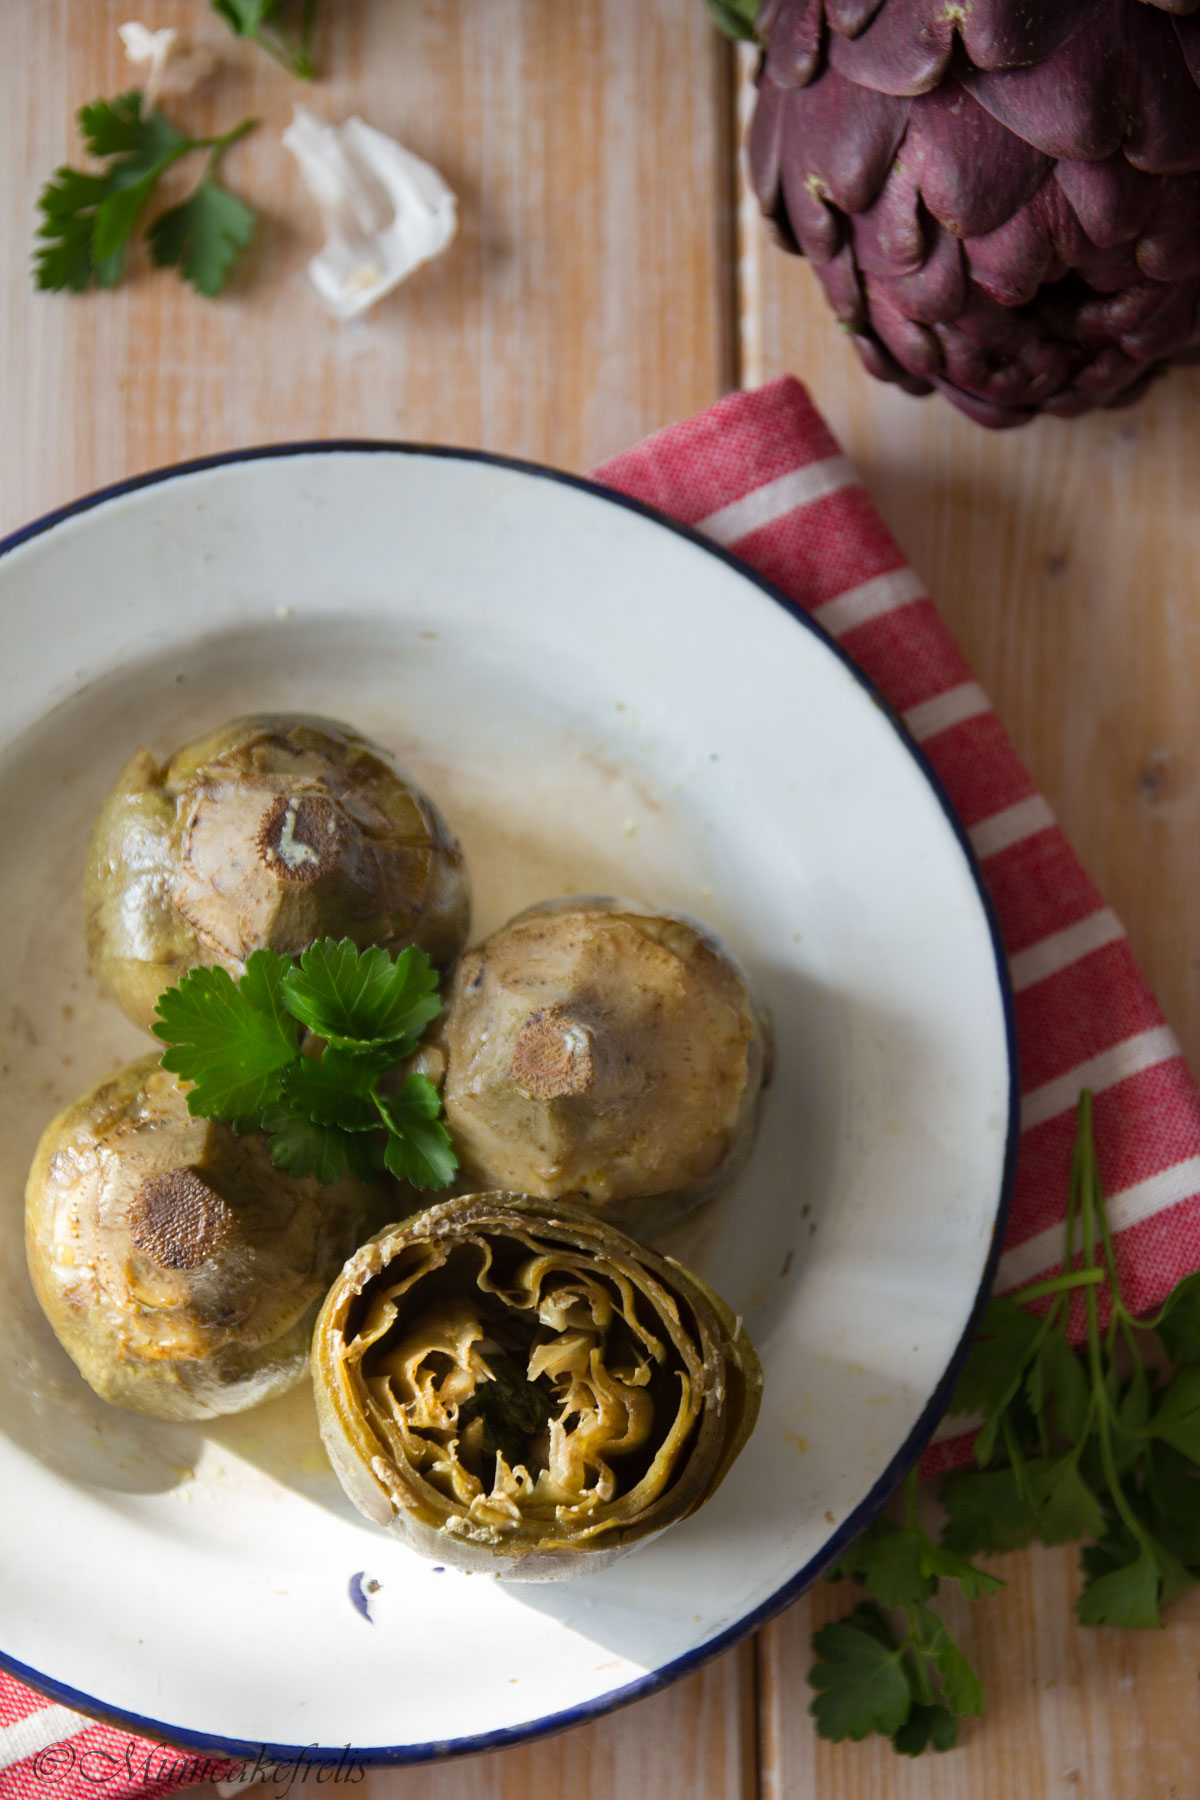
(217, 146)
(914, 1660)
(1085, 1156)
(1058, 1284)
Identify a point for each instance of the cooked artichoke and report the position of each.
(179, 1268)
(512, 1386)
(595, 1048)
(268, 834)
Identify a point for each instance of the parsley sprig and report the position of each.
(910, 1684)
(257, 20)
(88, 218)
(323, 1098)
(1074, 1443)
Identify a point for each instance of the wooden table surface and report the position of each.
(609, 278)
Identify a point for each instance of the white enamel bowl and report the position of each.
(600, 702)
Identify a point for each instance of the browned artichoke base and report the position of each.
(513, 1385)
(598, 1049)
(179, 1268)
(270, 833)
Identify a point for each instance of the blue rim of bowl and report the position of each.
(318, 1755)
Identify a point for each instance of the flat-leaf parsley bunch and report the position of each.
(1074, 1443)
(303, 1049)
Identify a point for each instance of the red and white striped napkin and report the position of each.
(760, 474)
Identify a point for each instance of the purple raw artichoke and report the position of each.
(1000, 197)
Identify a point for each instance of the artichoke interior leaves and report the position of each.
(361, 997)
(512, 1407)
(418, 1148)
(860, 1678)
(234, 1054)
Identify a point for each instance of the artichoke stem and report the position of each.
(552, 1057)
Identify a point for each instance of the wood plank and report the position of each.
(1072, 1714)
(1065, 557)
(584, 304)
(685, 1742)
(692, 1740)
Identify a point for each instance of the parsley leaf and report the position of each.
(860, 1681)
(1177, 1421)
(1065, 1506)
(335, 1090)
(419, 1148)
(946, 1565)
(926, 1725)
(250, 19)
(89, 219)
(887, 1560)
(361, 997)
(202, 236)
(239, 1044)
(992, 1371)
(1178, 1323)
(304, 1148)
(987, 1510)
(1124, 1596)
(735, 18)
(962, 1689)
(234, 1053)
(1056, 1378)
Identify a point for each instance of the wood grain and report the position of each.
(1065, 557)
(1071, 1714)
(582, 305)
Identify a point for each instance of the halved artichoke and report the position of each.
(595, 1048)
(270, 833)
(512, 1386)
(179, 1268)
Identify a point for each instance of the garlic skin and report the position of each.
(174, 64)
(385, 211)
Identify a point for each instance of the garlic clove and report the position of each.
(385, 211)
